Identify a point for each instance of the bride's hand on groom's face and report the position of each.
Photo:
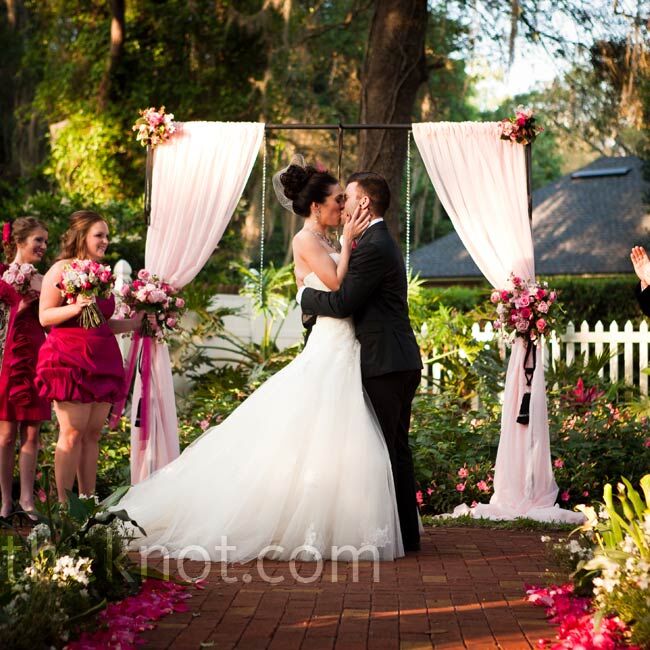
(357, 223)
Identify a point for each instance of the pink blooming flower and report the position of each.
(542, 307)
(419, 498)
(483, 486)
(552, 296)
(474, 504)
(647, 442)
(171, 322)
(460, 487)
(495, 297)
(522, 325)
(42, 497)
(558, 462)
(584, 395)
(541, 324)
(504, 295)
(525, 313)
(429, 491)
(204, 424)
(463, 472)
(565, 496)
(180, 303)
(541, 293)
(585, 493)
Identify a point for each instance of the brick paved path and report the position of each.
(463, 590)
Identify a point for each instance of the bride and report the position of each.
(300, 469)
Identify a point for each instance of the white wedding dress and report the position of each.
(301, 466)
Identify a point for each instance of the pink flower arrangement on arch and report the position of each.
(521, 128)
(154, 126)
(528, 309)
(149, 293)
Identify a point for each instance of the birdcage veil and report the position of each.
(278, 188)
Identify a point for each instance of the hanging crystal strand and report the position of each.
(263, 221)
(408, 204)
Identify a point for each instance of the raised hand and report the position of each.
(357, 223)
(641, 263)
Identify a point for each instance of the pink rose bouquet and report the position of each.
(528, 310)
(19, 276)
(87, 278)
(154, 126)
(521, 128)
(150, 294)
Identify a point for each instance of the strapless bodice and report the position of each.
(314, 282)
(338, 328)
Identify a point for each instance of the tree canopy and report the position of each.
(75, 73)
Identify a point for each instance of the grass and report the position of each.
(521, 523)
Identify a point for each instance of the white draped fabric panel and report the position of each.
(481, 182)
(198, 178)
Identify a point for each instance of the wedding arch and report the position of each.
(484, 183)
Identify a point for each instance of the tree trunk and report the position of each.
(393, 70)
(108, 82)
(11, 13)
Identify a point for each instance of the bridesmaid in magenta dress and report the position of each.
(21, 408)
(79, 369)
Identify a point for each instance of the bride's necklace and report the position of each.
(324, 238)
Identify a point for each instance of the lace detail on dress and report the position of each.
(315, 540)
(379, 538)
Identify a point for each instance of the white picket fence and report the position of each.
(627, 349)
(573, 343)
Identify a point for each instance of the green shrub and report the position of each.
(598, 299)
(581, 299)
(85, 156)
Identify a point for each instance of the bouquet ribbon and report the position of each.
(143, 415)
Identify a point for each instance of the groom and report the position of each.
(374, 292)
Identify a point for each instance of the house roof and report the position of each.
(580, 226)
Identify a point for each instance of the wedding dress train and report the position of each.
(301, 466)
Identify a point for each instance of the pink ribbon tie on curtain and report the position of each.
(118, 407)
(145, 400)
(145, 371)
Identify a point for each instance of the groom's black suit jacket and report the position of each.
(374, 292)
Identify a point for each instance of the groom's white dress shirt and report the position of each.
(370, 225)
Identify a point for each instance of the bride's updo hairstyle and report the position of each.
(306, 185)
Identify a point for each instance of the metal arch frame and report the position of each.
(341, 127)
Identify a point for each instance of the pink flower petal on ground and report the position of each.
(120, 623)
(575, 619)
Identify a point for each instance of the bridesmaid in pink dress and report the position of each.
(21, 408)
(79, 369)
